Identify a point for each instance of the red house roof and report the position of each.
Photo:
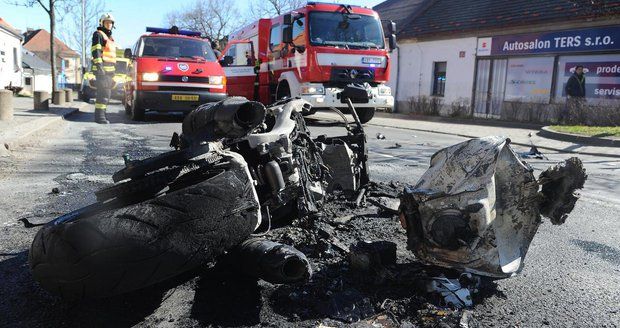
(38, 41)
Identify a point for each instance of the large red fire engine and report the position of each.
(173, 71)
(312, 53)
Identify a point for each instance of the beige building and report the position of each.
(488, 59)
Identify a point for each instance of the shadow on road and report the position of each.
(25, 304)
(119, 117)
(226, 299)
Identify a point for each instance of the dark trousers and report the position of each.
(104, 83)
(573, 111)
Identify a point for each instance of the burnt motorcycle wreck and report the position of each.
(240, 171)
(236, 166)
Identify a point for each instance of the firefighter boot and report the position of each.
(100, 116)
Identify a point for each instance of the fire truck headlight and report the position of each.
(312, 90)
(385, 91)
(217, 80)
(150, 77)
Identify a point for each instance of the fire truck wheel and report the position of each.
(365, 113)
(127, 106)
(283, 91)
(137, 111)
(129, 248)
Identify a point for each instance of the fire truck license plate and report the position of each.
(185, 97)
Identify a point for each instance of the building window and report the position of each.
(602, 73)
(528, 79)
(439, 78)
(28, 81)
(15, 60)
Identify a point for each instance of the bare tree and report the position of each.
(82, 17)
(213, 18)
(270, 8)
(50, 9)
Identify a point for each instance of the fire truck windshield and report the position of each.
(338, 30)
(177, 48)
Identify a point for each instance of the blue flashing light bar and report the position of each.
(172, 30)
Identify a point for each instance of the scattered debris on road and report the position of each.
(533, 153)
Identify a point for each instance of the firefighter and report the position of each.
(104, 61)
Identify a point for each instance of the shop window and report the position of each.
(439, 78)
(602, 73)
(529, 79)
(28, 81)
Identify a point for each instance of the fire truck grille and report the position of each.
(352, 75)
(183, 78)
(181, 89)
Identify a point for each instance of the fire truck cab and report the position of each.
(173, 71)
(312, 53)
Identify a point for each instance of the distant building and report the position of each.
(37, 74)
(68, 64)
(10, 55)
(507, 59)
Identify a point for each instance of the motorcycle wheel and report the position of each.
(129, 248)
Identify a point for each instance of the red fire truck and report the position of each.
(312, 53)
(173, 71)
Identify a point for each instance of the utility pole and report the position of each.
(83, 37)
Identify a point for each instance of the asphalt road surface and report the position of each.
(571, 276)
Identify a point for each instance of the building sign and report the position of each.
(584, 40)
(529, 79)
(602, 74)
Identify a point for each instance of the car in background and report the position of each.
(173, 71)
(88, 89)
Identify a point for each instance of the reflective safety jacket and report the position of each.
(103, 51)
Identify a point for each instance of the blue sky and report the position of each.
(131, 15)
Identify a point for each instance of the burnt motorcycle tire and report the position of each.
(129, 248)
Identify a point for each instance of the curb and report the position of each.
(460, 120)
(21, 134)
(546, 132)
(469, 136)
(512, 142)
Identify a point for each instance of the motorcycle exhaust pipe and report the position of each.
(233, 117)
(249, 115)
(273, 262)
